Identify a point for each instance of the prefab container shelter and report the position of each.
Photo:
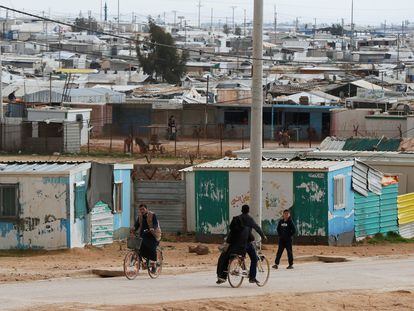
(318, 193)
(43, 206)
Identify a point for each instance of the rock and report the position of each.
(202, 250)
(192, 249)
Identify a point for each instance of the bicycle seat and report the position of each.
(238, 256)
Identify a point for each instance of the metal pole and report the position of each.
(352, 26)
(1, 87)
(199, 14)
(211, 19)
(118, 18)
(234, 25)
(205, 109)
(272, 135)
(257, 115)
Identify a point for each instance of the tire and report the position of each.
(131, 265)
(235, 272)
(160, 259)
(263, 271)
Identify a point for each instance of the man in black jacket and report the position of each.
(240, 240)
(286, 230)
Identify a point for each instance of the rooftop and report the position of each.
(273, 164)
(7, 168)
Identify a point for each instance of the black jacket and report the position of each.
(286, 229)
(239, 234)
(251, 224)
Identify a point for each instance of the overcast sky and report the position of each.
(367, 12)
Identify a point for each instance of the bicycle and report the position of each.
(237, 270)
(133, 262)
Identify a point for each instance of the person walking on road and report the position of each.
(285, 230)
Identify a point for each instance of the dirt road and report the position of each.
(362, 274)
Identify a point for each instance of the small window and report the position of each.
(9, 207)
(339, 192)
(80, 200)
(118, 197)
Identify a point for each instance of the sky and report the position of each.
(367, 12)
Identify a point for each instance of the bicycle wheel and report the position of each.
(131, 265)
(155, 272)
(235, 272)
(263, 271)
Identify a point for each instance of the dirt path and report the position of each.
(24, 266)
(298, 285)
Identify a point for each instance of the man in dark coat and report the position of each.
(237, 240)
(286, 230)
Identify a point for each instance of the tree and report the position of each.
(226, 29)
(237, 31)
(159, 57)
(335, 29)
(82, 23)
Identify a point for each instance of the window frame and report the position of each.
(338, 179)
(16, 201)
(76, 215)
(118, 197)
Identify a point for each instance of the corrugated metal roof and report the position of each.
(366, 178)
(372, 144)
(332, 143)
(40, 167)
(282, 164)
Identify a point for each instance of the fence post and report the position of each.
(110, 138)
(263, 137)
(221, 140)
(175, 142)
(132, 139)
(198, 142)
(242, 138)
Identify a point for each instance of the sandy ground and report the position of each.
(39, 265)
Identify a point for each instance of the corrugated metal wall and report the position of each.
(72, 137)
(389, 209)
(367, 215)
(376, 213)
(406, 215)
(102, 224)
(166, 199)
(212, 202)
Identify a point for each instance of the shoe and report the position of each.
(154, 270)
(220, 281)
(254, 281)
(275, 267)
(290, 267)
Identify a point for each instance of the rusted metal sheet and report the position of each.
(212, 202)
(102, 224)
(166, 199)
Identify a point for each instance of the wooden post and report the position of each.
(132, 139)
(221, 140)
(242, 138)
(110, 138)
(198, 142)
(175, 143)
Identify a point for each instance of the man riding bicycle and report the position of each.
(147, 227)
(240, 240)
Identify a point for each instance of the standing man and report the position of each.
(286, 230)
(172, 128)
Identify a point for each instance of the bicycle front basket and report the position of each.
(134, 243)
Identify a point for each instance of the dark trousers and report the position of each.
(148, 248)
(223, 261)
(253, 260)
(284, 244)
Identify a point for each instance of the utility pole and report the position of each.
(314, 30)
(385, 27)
(199, 14)
(256, 136)
(297, 24)
(175, 18)
(211, 19)
(245, 17)
(106, 12)
(234, 25)
(100, 11)
(352, 26)
(118, 18)
(275, 22)
(1, 88)
(206, 109)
